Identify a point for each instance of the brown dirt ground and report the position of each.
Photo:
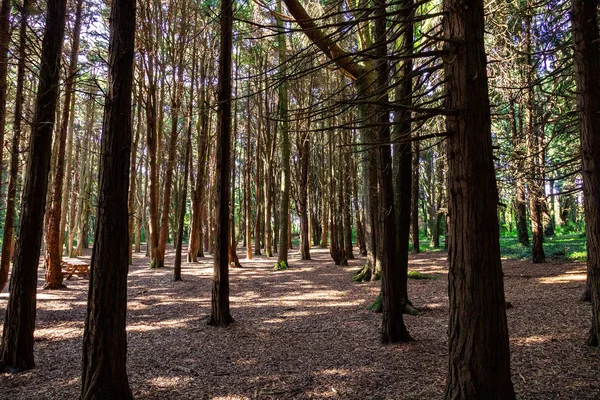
(305, 333)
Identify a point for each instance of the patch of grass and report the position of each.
(281, 266)
(570, 247)
(419, 275)
(377, 305)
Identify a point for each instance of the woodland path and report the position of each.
(305, 333)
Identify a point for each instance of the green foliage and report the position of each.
(570, 247)
(281, 266)
(377, 305)
(419, 275)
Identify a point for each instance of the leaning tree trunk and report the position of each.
(220, 314)
(9, 219)
(586, 42)
(104, 374)
(16, 352)
(54, 275)
(479, 356)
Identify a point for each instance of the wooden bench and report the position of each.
(75, 267)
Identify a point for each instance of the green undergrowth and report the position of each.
(419, 275)
(281, 266)
(570, 247)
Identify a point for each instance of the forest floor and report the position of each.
(305, 333)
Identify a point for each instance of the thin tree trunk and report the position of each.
(9, 219)
(54, 275)
(414, 215)
(284, 205)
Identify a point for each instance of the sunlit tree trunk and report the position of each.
(54, 275)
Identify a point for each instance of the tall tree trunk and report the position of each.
(54, 275)
(586, 42)
(132, 183)
(414, 215)
(392, 326)
(304, 151)
(284, 205)
(9, 219)
(177, 267)
(520, 204)
(69, 196)
(5, 33)
(104, 374)
(175, 106)
(220, 314)
(16, 352)
(536, 183)
(402, 161)
(479, 365)
(247, 187)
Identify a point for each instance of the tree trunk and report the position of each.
(16, 352)
(54, 275)
(586, 43)
(304, 154)
(132, 184)
(175, 105)
(402, 161)
(9, 219)
(284, 200)
(520, 204)
(5, 33)
(247, 187)
(220, 315)
(479, 366)
(69, 200)
(392, 326)
(414, 215)
(177, 267)
(534, 148)
(104, 373)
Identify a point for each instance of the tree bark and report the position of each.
(16, 353)
(586, 43)
(393, 329)
(284, 200)
(479, 361)
(9, 218)
(414, 215)
(54, 275)
(220, 314)
(104, 373)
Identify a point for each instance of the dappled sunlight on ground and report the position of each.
(305, 333)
